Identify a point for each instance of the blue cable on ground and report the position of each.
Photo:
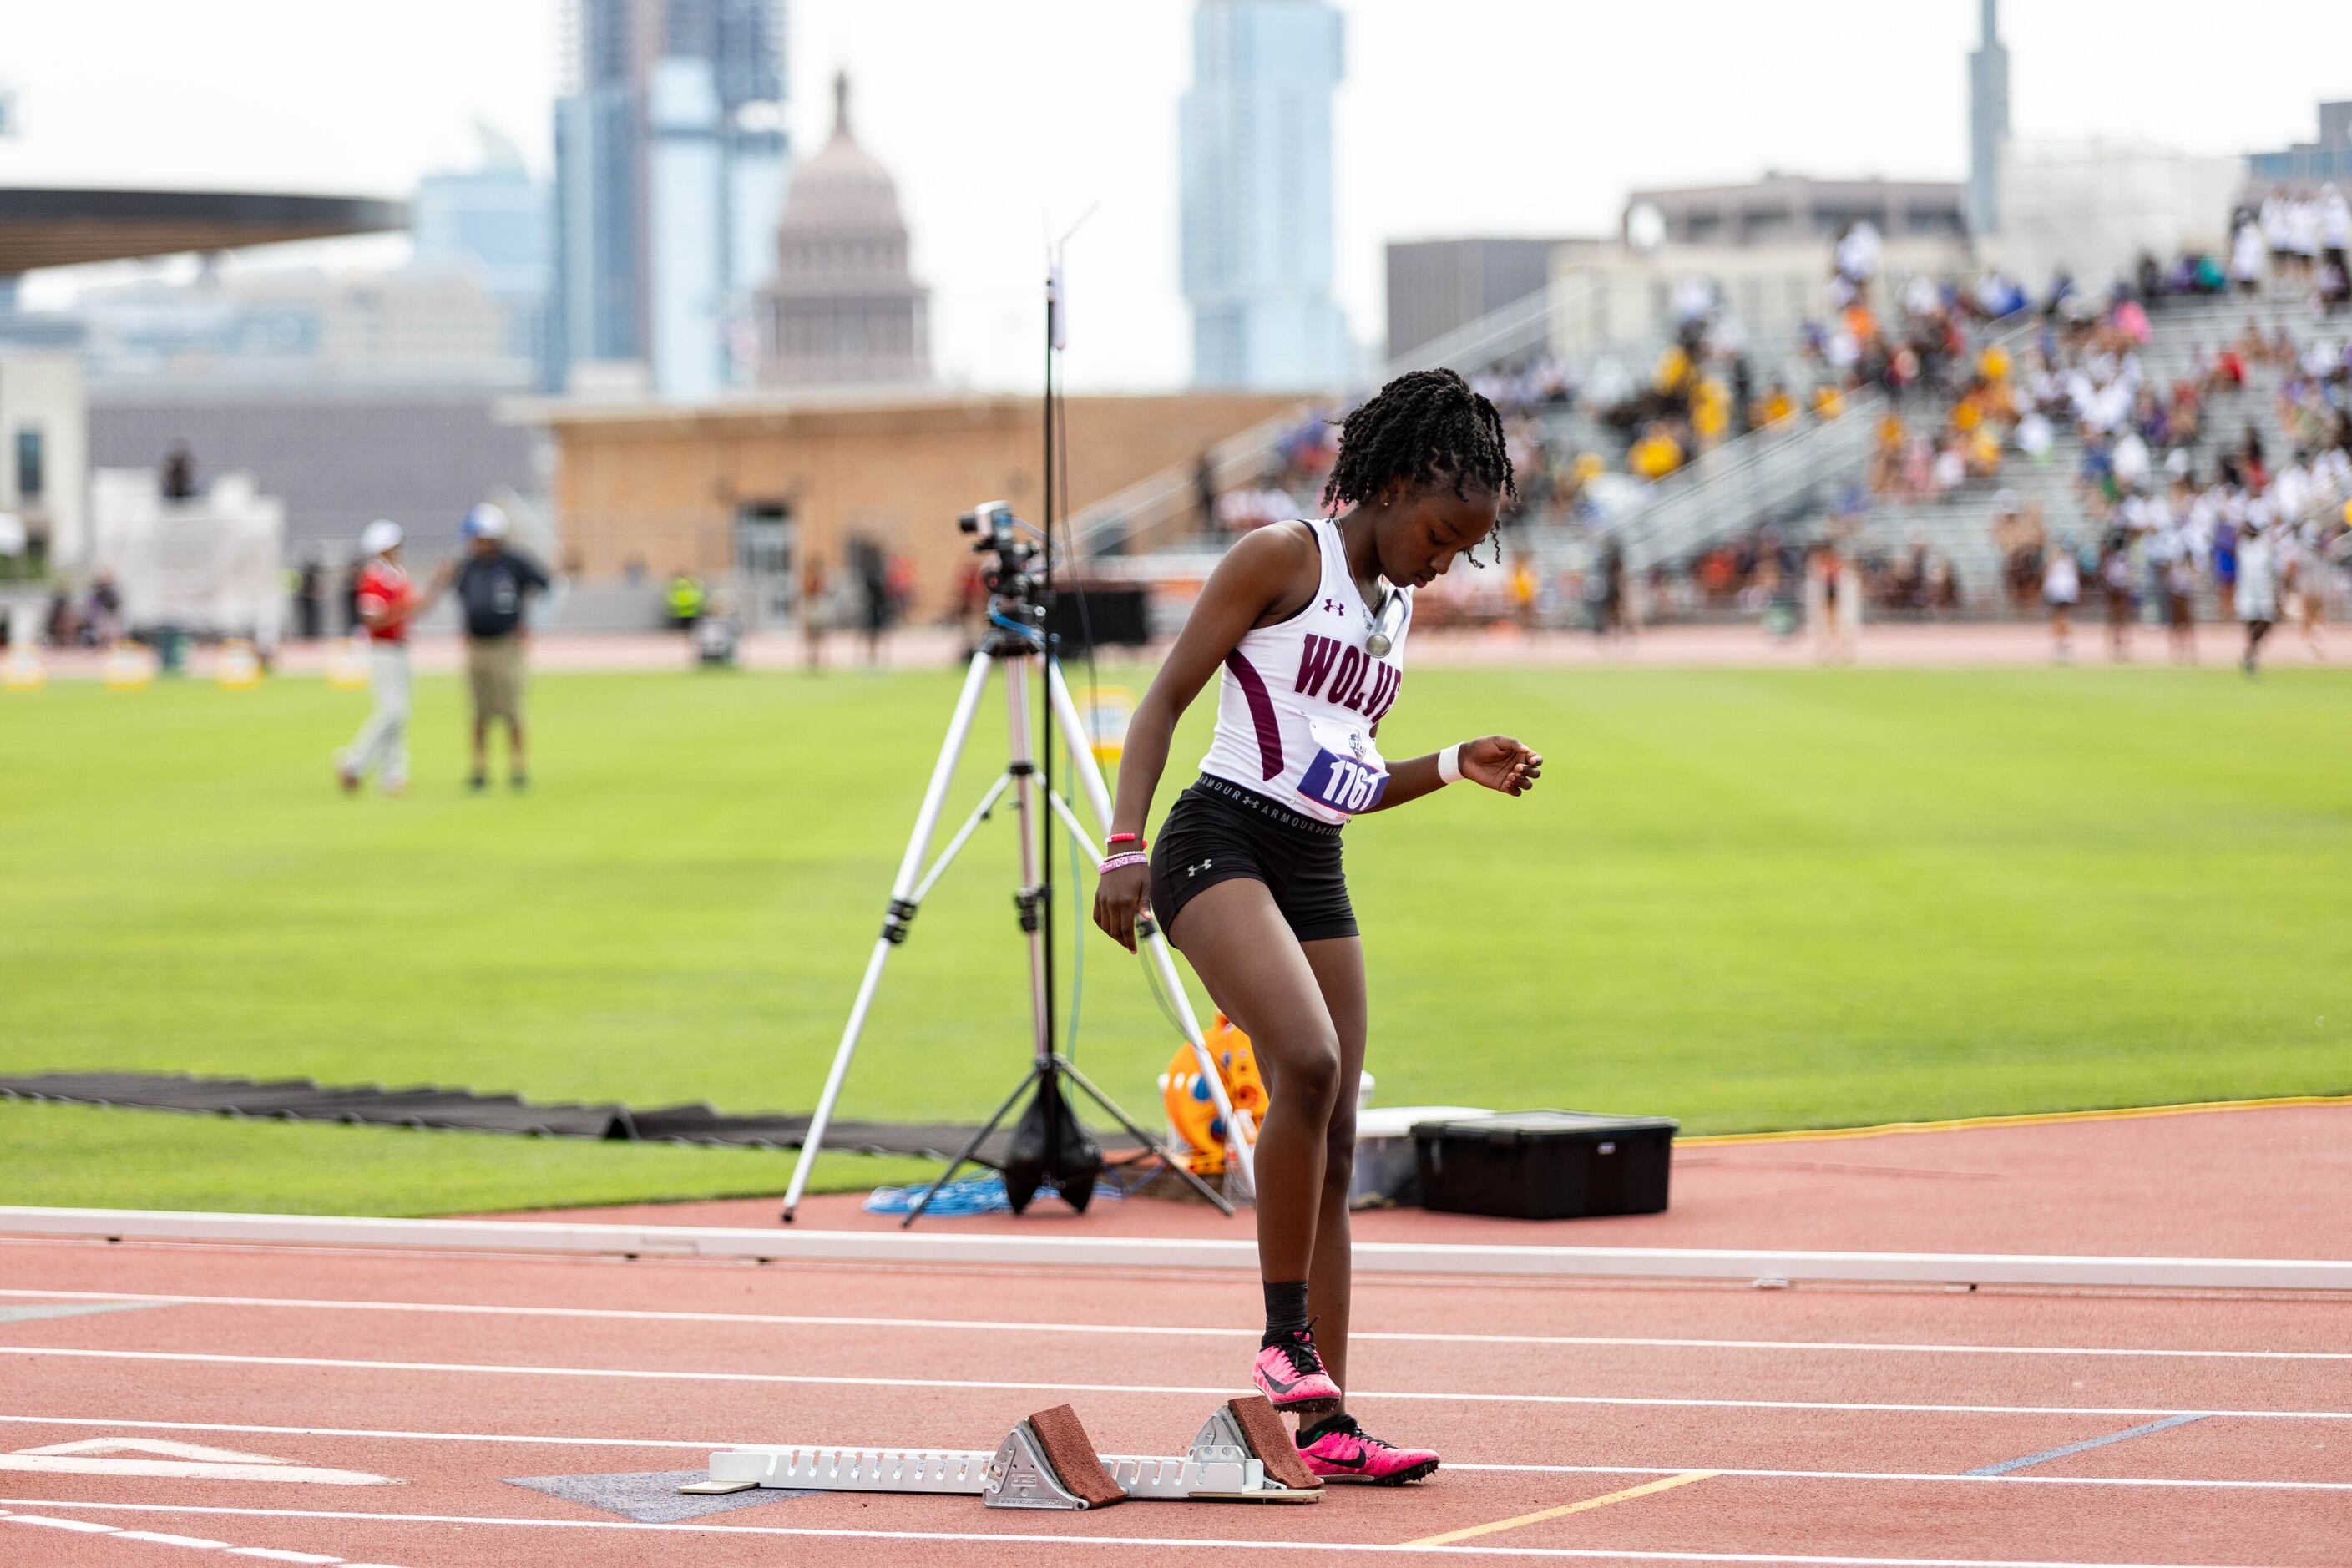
(978, 1195)
(973, 1195)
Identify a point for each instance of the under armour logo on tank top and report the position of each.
(1299, 699)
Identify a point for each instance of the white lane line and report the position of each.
(42, 1312)
(183, 1470)
(1220, 1390)
(971, 1253)
(707, 1445)
(87, 1526)
(1160, 1544)
(973, 1325)
(172, 1461)
(193, 1542)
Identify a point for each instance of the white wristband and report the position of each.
(1449, 764)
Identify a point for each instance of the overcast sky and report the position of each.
(1005, 121)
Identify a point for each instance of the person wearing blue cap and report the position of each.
(492, 584)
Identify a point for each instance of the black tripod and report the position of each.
(1051, 1143)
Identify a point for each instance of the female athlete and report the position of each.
(1247, 879)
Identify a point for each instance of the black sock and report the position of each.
(1306, 1434)
(1285, 1310)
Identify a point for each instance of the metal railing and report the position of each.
(1768, 472)
(1758, 476)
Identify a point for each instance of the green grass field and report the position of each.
(1751, 899)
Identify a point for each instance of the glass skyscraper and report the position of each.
(1257, 227)
(670, 162)
(491, 223)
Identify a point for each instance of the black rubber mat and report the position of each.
(300, 1100)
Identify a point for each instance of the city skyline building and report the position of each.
(491, 223)
(302, 325)
(1438, 286)
(842, 307)
(1256, 131)
(1987, 125)
(2307, 164)
(1783, 208)
(671, 156)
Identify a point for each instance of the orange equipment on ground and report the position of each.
(1199, 1131)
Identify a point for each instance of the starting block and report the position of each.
(1243, 1454)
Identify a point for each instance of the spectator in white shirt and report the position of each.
(2275, 229)
(2303, 235)
(2290, 489)
(2132, 461)
(1857, 253)
(2334, 248)
(2249, 257)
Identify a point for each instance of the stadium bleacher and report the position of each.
(1749, 489)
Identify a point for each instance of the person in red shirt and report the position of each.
(388, 603)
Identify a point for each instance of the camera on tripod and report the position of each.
(1049, 1144)
(993, 528)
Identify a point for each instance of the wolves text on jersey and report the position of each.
(1358, 680)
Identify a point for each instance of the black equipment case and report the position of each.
(1545, 1165)
(1099, 614)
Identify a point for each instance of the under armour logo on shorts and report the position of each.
(1196, 870)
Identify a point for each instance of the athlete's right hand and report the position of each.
(1119, 897)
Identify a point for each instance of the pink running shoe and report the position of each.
(1291, 1375)
(1342, 1451)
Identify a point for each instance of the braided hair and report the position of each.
(1424, 427)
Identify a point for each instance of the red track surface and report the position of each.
(1872, 1404)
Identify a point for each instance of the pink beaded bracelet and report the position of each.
(1117, 861)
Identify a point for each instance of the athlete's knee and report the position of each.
(1310, 1074)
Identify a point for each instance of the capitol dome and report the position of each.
(844, 187)
(843, 307)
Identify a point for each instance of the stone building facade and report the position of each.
(842, 308)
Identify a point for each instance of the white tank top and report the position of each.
(1300, 699)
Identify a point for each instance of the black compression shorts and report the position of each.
(1217, 831)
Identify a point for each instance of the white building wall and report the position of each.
(2092, 207)
(43, 393)
(213, 563)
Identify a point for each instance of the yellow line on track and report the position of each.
(2030, 1119)
(1644, 1489)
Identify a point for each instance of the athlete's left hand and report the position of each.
(1502, 763)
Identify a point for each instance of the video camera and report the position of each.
(994, 532)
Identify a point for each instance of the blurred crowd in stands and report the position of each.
(1977, 388)
(2168, 500)
(2300, 238)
